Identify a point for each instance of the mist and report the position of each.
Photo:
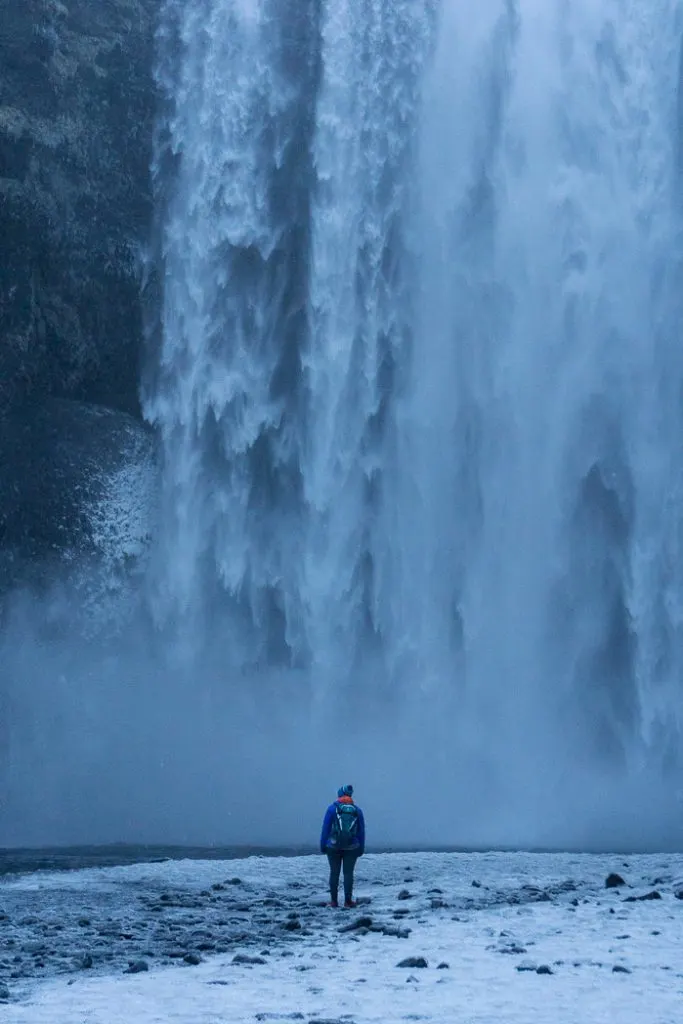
(115, 739)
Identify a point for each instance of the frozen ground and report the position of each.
(492, 918)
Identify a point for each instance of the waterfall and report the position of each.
(418, 370)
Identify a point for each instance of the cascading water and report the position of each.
(418, 373)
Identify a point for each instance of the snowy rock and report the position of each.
(78, 490)
(397, 933)
(330, 1020)
(613, 881)
(244, 958)
(137, 967)
(413, 961)
(527, 965)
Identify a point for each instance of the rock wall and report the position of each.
(77, 105)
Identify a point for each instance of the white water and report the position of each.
(419, 374)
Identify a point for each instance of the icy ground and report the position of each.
(484, 923)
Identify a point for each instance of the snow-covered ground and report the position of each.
(486, 916)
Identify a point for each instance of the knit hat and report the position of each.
(345, 791)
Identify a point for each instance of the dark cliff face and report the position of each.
(77, 105)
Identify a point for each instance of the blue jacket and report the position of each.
(325, 836)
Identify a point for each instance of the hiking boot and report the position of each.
(349, 904)
(333, 903)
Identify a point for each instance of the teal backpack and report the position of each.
(344, 833)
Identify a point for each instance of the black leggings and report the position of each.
(337, 859)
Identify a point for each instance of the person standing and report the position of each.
(343, 840)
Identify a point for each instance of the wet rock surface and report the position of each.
(76, 477)
(77, 103)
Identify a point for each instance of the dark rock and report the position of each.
(137, 967)
(679, 894)
(84, 922)
(35, 948)
(233, 881)
(218, 887)
(443, 966)
(4, 993)
(411, 978)
(360, 922)
(613, 881)
(244, 958)
(193, 959)
(405, 895)
(544, 969)
(87, 962)
(654, 895)
(620, 969)
(397, 933)
(76, 128)
(293, 925)
(476, 885)
(413, 961)
(78, 483)
(280, 1016)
